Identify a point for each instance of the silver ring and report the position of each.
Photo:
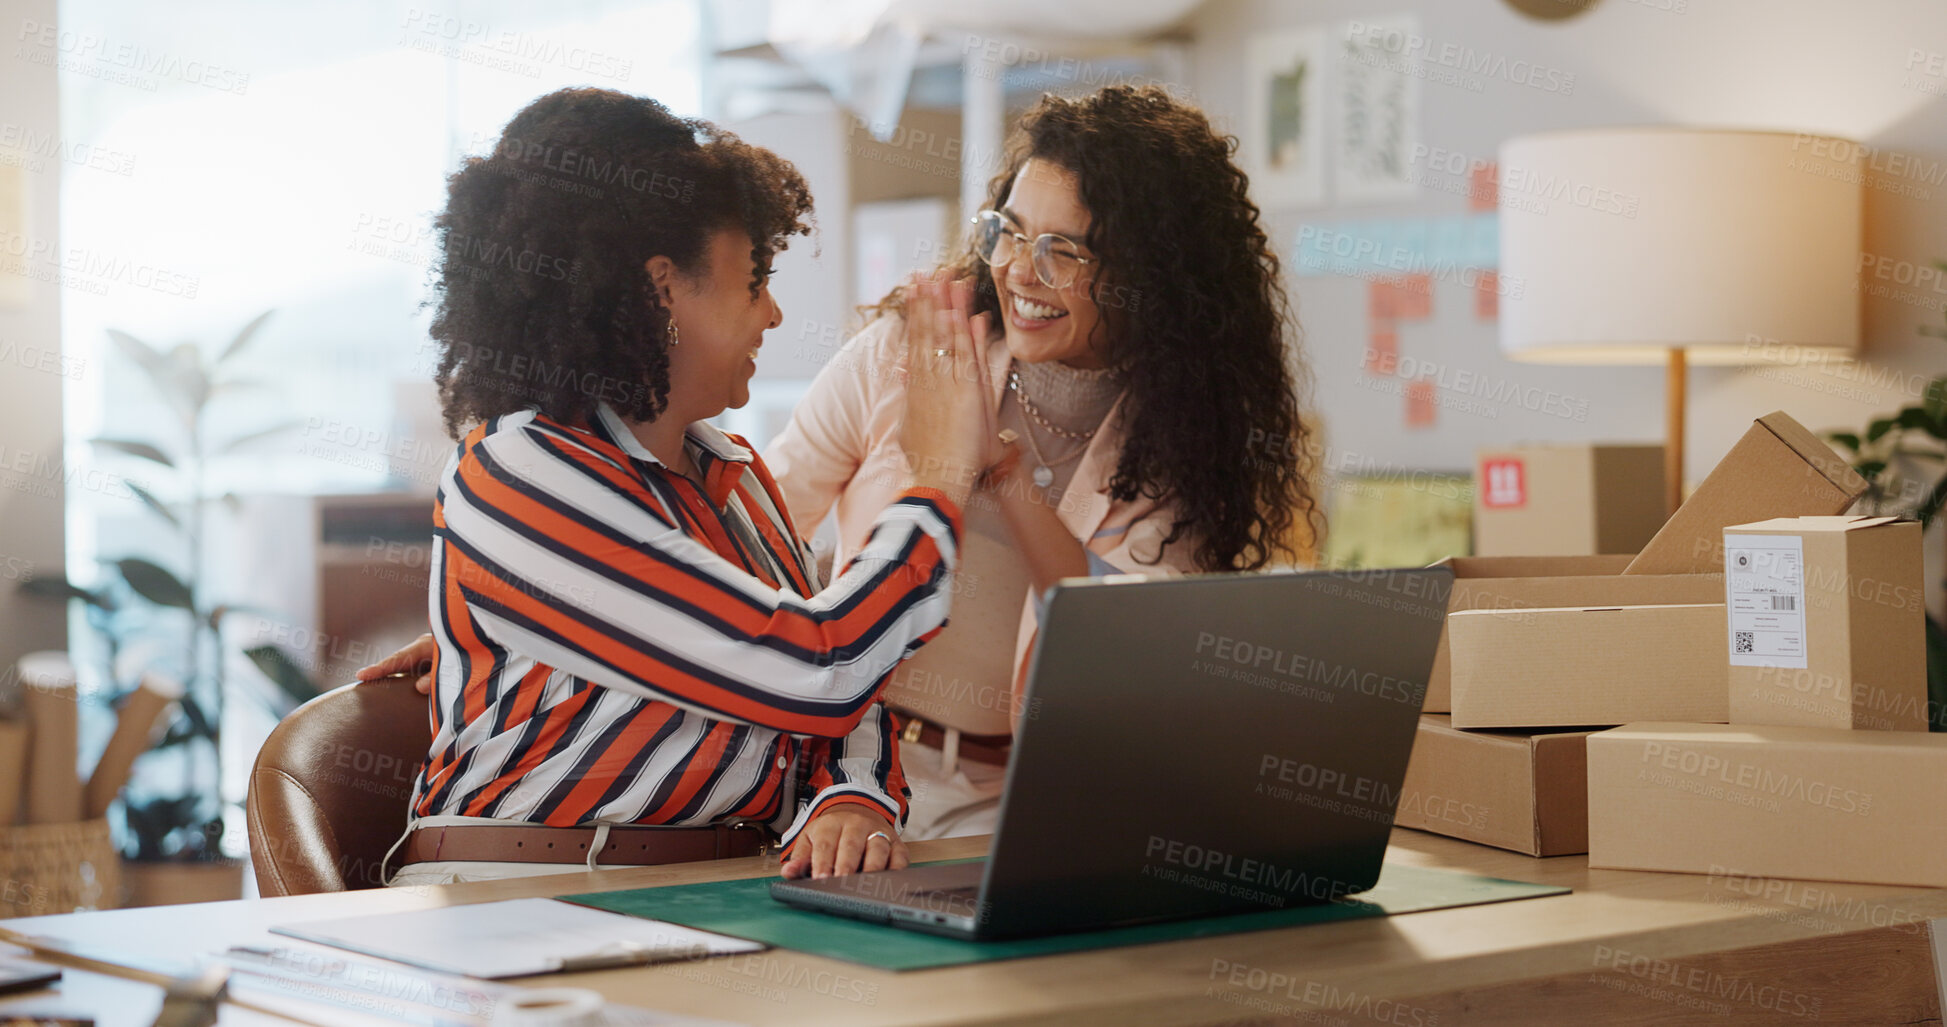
(878, 834)
(939, 352)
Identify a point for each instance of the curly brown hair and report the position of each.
(1194, 316)
(541, 295)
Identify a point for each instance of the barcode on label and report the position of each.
(1784, 602)
(1746, 642)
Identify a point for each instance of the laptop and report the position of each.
(1188, 747)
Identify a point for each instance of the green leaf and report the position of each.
(162, 371)
(135, 447)
(157, 817)
(257, 436)
(1844, 438)
(1870, 469)
(1934, 400)
(155, 584)
(62, 589)
(215, 616)
(284, 673)
(244, 336)
(230, 385)
(150, 359)
(199, 721)
(181, 732)
(189, 371)
(149, 500)
(1878, 429)
(1929, 507)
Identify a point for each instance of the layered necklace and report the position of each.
(1043, 473)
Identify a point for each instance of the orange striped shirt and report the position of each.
(619, 646)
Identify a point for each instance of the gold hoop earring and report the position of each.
(673, 340)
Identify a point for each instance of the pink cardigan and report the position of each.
(842, 446)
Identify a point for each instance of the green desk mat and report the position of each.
(745, 909)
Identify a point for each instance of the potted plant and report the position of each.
(1903, 457)
(172, 816)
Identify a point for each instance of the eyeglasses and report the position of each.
(1054, 258)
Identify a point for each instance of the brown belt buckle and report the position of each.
(763, 844)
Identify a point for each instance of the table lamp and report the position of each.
(1678, 246)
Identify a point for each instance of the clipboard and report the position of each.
(515, 938)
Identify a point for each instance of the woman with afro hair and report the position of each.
(634, 658)
(1138, 360)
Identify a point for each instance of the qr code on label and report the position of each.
(1746, 642)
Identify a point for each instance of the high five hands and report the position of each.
(948, 428)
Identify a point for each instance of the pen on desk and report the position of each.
(632, 955)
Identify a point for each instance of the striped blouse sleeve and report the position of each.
(566, 557)
(861, 768)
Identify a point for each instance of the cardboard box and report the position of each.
(1567, 500)
(1793, 802)
(13, 770)
(1827, 623)
(1778, 469)
(1519, 790)
(1589, 666)
(50, 697)
(1539, 582)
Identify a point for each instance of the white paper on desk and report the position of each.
(313, 985)
(513, 938)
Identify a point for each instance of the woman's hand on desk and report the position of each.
(416, 658)
(840, 841)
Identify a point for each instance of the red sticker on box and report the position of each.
(1504, 484)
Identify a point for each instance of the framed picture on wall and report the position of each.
(1378, 110)
(1402, 518)
(1285, 108)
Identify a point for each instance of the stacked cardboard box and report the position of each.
(1534, 643)
(1551, 582)
(1567, 500)
(1827, 623)
(1517, 790)
(1577, 665)
(1827, 770)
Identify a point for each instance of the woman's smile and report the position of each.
(1032, 315)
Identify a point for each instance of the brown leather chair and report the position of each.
(330, 791)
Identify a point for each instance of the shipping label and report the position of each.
(1764, 592)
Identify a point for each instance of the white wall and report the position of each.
(30, 396)
(1797, 65)
(812, 275)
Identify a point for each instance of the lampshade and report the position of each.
(1620, 244)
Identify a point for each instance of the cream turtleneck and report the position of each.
(1069, 398)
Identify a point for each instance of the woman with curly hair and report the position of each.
(1144, 374)
(634, 660)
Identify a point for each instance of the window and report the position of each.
(222, 160)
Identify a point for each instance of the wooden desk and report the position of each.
(1624, 948)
